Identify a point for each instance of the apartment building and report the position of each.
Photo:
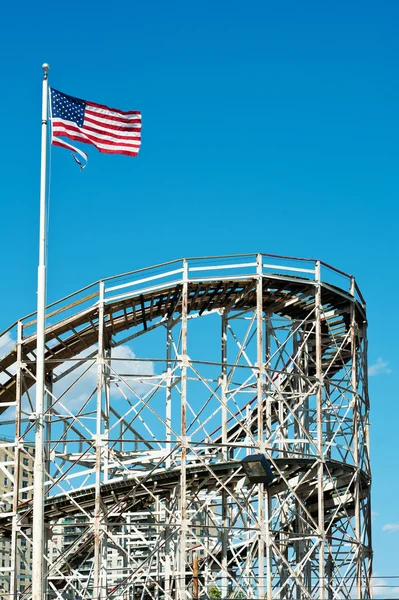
(25, 494)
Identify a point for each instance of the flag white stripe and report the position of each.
(108, 129)
(99, 119)
(70, 147)
(135, 135)
(111, 113)
(128, 139)
(120, 132)
(113, 148)
(81, 136)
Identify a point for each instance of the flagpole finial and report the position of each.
(45, 67)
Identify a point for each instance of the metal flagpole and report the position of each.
(38, 481)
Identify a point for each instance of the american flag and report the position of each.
(110, 130)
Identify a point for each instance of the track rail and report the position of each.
(306, 407)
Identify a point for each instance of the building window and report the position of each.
(24, 483)
(5, 481)
(25, 473)
(26, 461)
(24, 495)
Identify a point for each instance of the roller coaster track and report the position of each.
(73, 328)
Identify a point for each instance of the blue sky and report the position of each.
(268, 127)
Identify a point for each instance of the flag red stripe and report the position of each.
(111, 127)
(116, 110)
(113, 118)
(133, 136)
(125, 152)
(57, 142)
(63, 144)
(75, 133)
(110, 130)
(120, 150)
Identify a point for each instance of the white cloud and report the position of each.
(390, 527)
(128, 369)
(132, 369)
(382, 587)
(380, 367)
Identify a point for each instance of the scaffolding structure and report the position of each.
(158, 383)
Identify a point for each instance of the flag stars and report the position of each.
(108, 129)
(67, 107)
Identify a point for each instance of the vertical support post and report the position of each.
(15, 522)
(168, 551)
(329, 435)
(328, 419)
(183, 475)
(195, 577)
(366, 400)
(260, 424)
(330, 571)
(48, 400)
(248, 420)
(106, 413)
(129, 552)
(206, 568)
(168, 414)
(47, 463)
(224, 386)
(225, 520)
(298, 447)
(38, 479)
(320, 446)
(268, 500)
(168, 462)
(97, 583)
(355, 409)
(367, 450)
(157, 523)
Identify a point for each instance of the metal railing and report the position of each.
(208, 268)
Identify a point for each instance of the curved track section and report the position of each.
(159, 383)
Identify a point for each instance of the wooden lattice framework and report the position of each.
(145, 495)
